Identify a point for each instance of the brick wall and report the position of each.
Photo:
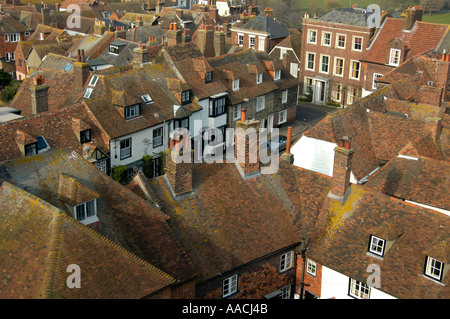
(255, 280)
(314, 282)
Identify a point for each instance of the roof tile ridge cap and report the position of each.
(125, 189)
(116, 246)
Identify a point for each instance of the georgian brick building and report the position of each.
(332, 48)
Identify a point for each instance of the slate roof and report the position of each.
(127, 220)
(423, 37)
(55, 61)
(348, 16)
(124, 57)
(266, 24)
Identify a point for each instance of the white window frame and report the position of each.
(358, 289)
(240, 39)
(229, 286)
(147, 99)
(285, 292)
(354, 44)
(260, 103)
(251, 41)
(306, 86)
(259, 78)
(132, 111)
(277, 75)
(393, 58)
(284, 96)
(7, 57)
(307, 61)
(336, 66)
(282, 117)
(351, 96)
(433, 270)
(261, 43)
(322, 56)
(375, 76)
(236, 85)
(6, 37)
(310, 38)
(158, 139)
(337, 93)
(377, 245)
(294, 69)
(126, 151)
(351, 70)
(93, 80)
(282, 52)
(86, 219)
(88, 93)
(337, 41)
(286, 261)
(311, 267)
(324, 38)
(14, 37)
(237, 112)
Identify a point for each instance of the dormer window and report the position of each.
(259, 78)
(86, 211)
(147, 99)
(31, 149)
(236, 85)
(114, 49)
(186, 97)
(88, 93)
(277, 75)
(377, 245)
(85, 136)
(434, 268)
(132, 111)
(394, 57)
(208, 77)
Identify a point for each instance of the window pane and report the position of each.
(90, 208)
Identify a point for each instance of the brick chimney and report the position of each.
(179, 13)
(268, 12)
(343, 154)
(139, 22)
(39, 95)
(430, 95)
(247, 146)
(219, 41)
(226, 28)
(45, 12)
(120, 33)
(412, 14)
(81, 70)
(213, 13)
(177, 171)
(159, 6)
(205, 40)
(141, 54)
(433, 125)
(174, 35)
(100, 27)
(443, 75)
(287, 155)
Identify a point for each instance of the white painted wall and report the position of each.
(335, 285)
(222, 8)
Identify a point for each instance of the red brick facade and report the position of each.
(313, 283)
(331, 54)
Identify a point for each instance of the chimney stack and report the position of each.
(205, 40)
(412, 14)
(141, 55)
(174, 35)
(219, 41)
(287, 156)
(343, 154)
(120, 33)
(45, 12)
(139, 21)
(81, 70)
(177, 171)
(179, 13)
(159, 6)
(39, 95)
(100, 27)
(213, 13)
(247, 146)
(268, 12)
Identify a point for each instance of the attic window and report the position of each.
(113, 49)
(434, 268)
(132, 111)
(236, 85)
(68, 67)
(259, 78)
(186, 97)
(31, 149)
(277, 75)
(37, 147)
(88, 92)
(147, 99)
(93, 80)
(208, 77)
(85, 136)
(377, 245)
(394, 57)
(86, 211)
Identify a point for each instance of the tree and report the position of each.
(333, 4)
(5, 78)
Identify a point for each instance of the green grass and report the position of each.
(305, 4)
(437, 18)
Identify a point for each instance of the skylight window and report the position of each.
(88, 93)
(68, 67)
(147, 99)
(93, 80)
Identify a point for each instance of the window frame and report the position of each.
(251, 41)
(85, 136)
(358, 290)
(352, 62)
(240, 39)
(277, 75)
(308, 61)
(31, 146)
(354, 44)
(261, 43)
(375, 246)
(398, 57)
(85, 210)
(322, 56)
(374, 77)
(338, 41)
(126, 154)
(282, 117)
(311, 267)
(430, 263)
(237, 112)
(232, 286)
(235, 85)
(159, 135)
(323, 39)
(287, 261)
(186, 97)
(306, 86)
(217, 107)
(309, 37)
(284, 96)
(259, 78)
(260, 103)
(208, 77)
(132, 111)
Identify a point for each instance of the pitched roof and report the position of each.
(423, 37)
(266, 24)
(126, 219)
(347, 16)
(40, 242)
(9, 24)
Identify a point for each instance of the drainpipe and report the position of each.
(303, 254)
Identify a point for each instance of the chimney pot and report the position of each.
(289, 138)
(243, 115)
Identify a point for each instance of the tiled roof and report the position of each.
(56, 128)
(40, 241)
(346, 229)
(126, 219)
(9, 24)
(228, 222)
(55, 61)
(423, 37)
(266, 24)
